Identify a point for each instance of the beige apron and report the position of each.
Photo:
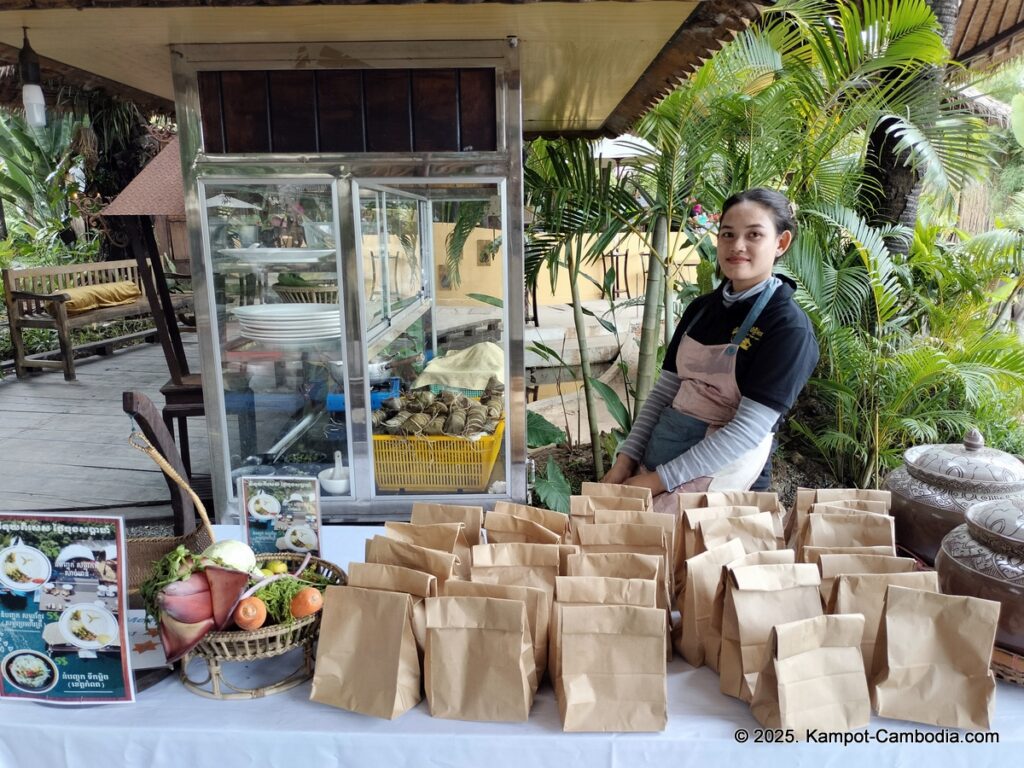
(710, 394)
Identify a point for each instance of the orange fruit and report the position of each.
(306, 602)
(250, 613)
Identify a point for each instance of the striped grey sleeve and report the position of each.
(746, 430)
(660, 397)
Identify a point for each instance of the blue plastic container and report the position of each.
(336, 402)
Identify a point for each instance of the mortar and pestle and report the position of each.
(335, 479)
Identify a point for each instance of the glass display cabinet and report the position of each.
(354, 303)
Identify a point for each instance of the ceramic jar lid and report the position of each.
(998, 524)
(967, 465)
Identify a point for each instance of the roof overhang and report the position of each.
(588, 68)
(988, 32)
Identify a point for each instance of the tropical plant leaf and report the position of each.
(614, 404)
(553, 489)
(541, 432)
(494, 301)
(606, 324)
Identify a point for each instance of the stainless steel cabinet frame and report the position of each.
(414, 175)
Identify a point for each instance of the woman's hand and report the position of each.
(621, 470)
(650, 480)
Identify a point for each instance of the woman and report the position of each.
(737, 361)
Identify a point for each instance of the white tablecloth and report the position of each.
(168, 727)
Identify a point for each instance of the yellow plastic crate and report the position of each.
(435, 462)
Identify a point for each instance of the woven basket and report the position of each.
(1008, 666)
(321, 293)
(265, 643)
(143, 552)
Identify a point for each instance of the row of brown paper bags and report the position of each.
(616, 522)
(757, 620)
(484, 646)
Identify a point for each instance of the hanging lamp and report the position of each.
(31, 85)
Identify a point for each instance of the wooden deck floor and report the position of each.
(64, 444)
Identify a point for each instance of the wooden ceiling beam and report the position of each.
(988, 46)
(712, 24)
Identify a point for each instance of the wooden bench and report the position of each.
(35, 299)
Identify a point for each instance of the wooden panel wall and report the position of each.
(310, 111)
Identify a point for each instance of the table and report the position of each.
(169, 727)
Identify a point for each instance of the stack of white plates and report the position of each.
(289, 323)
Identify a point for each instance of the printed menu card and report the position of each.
(63, 636)
(281, 514)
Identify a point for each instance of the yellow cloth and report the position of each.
(86, 297)
(465, 368)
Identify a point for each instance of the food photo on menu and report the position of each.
(281, 514)
(62, 635)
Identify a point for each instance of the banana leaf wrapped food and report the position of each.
(415, 424)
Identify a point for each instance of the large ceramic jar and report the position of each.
(985, 558)
(937, 483)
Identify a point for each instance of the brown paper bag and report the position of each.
(538, 611)
(565, 551)
(874, 507)
(929, 669)
(444, 537)
(696, 603)
(381, 549)
(367, 660)
(618, 491)
(395, 578)
(757, 597)
(613, 668)
(755, 532)
(691, 501)
(582, 509)
(692, 517)
(854, 494)
(604, 590)
(806, 497)
(615, 565)
(668, 523)
(864, 593)
(850, 529)
(813, 678)
(472, 517)
(686, 539)
(594, 590)
(524, 565)
(630, 537)
(831, 566)
(813, 554)
(479, 661)
(848, 508)
(503, 528)
(557, 522)
(713, 636)
(766, 501)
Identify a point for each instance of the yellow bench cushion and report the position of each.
(86, 297)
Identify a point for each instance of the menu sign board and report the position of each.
(62, 606)
(281, 514)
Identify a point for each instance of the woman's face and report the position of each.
(748, 244)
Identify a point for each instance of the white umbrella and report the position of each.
(225, 201)
(74, 552)
(623, 147)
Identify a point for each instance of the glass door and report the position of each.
(436, 344)
(273, 256)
